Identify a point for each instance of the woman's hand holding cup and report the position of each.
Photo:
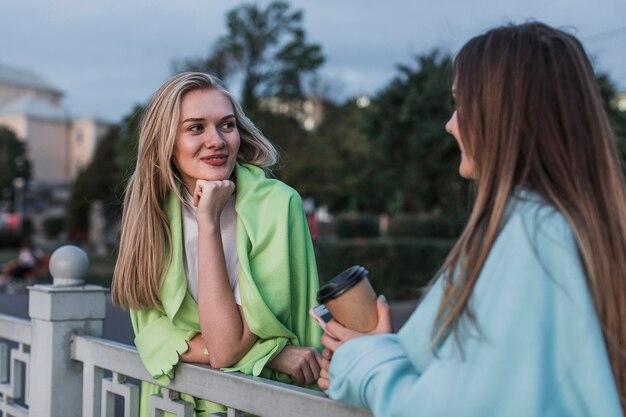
(336, 335)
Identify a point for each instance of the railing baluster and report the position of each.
(235, 413)
(19, 372)
(4, 363)
(14, 366)
(117, 385)
(92, 387)
(171, 403)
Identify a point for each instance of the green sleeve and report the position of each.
(159, 342)
(278, 279)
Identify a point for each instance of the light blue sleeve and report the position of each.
(537, 351)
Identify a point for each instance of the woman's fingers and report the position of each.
(298, 376)
(325, 364)
(324, 380)
(308, 377)
(213, 189)
(339, 332)
(384, 316)
(316, 363)
(327, 354)
(311, 367)
(210, 198)
(330, 343)
(302, 364)
(323, 383)
(336, 335)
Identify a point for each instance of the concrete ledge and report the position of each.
(51, 303)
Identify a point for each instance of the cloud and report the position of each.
(107, 56)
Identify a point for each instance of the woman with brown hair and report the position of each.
(215, 259)
(528, 314)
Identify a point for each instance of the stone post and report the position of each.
(57, 311)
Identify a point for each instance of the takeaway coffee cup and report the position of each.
(351, 300)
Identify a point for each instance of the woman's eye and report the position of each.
(228, 126)
(195, 128)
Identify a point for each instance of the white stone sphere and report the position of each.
(68, 266)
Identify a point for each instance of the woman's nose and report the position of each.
(448, 127)
(450, 123)
(214, 140)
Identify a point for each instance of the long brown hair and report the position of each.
(143, 255)
(530, 114)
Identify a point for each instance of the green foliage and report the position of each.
(407, 127)
(99, 181)
(125, 146)
(267, 48)
(53, 226)
(398, 268)
(9, 238)
(331, 163)
(8, 254)
(406, 225)
(13, 161)
(286, 134)
(617, 118)
(350, 225)
(105, 177)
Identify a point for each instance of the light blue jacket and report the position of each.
(539, 350)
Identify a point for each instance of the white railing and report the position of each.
(14, 366)
(55, 364)
(241, 393)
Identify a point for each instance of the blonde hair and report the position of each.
(531, 115)
(145, 239)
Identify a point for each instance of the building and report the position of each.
(308, 112)
(58, 145)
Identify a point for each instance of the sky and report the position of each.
(107, 56)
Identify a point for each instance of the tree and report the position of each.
(267, 48)
(98, 181)
(267, 51)
(617, 118)
(105, 178)
(413, 159)
(13, 161)
(126, 145)
(411, 150)
(330, 164)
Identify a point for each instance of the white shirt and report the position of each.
(228, 225)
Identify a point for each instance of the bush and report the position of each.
(404, 225)
(53, 226)
(351, 225)
(9, 238)
(398, 268)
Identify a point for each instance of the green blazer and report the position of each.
(277, 280)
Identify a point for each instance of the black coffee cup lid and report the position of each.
(341, 283)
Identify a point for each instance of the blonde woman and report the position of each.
(528, 317)
(216, 262)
